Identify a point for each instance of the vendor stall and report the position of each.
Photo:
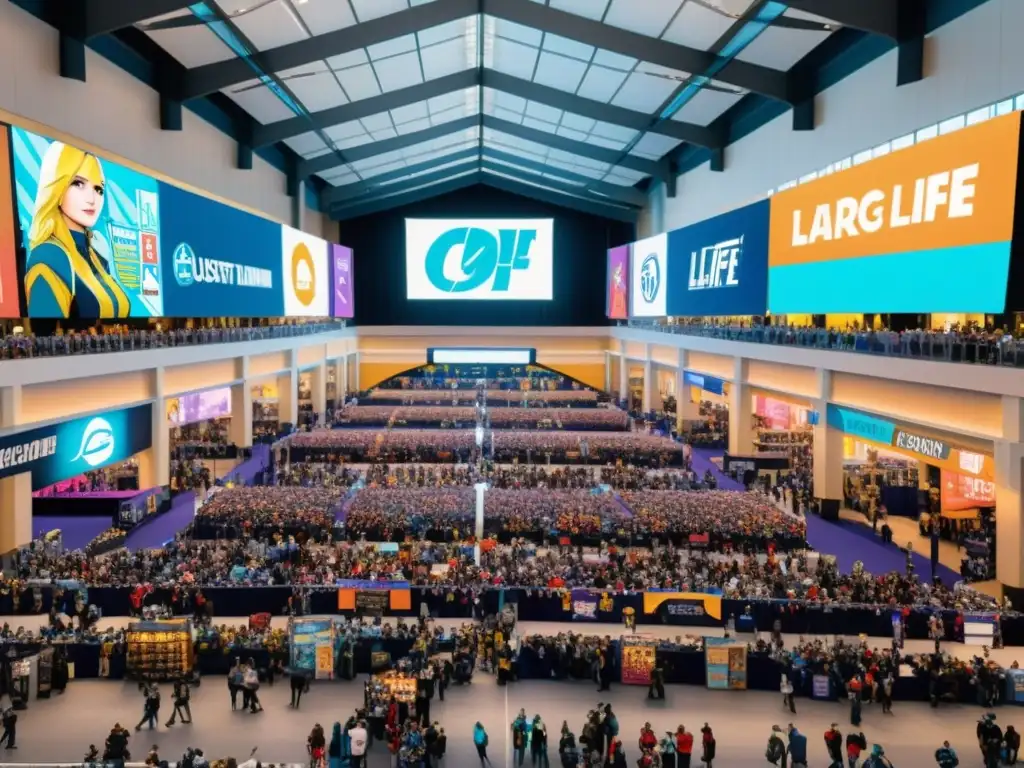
(159, 650)
(638, 659)
(726, 662)
(312, 647)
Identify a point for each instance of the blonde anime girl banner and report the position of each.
(89, 240)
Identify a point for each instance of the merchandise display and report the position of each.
(159, 650)
(392, 683)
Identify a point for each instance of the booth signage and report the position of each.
(902, 232)
(62, 451)
(584, 605)
(926, 446)
(648, 277)
(860, 424)
(705, 383)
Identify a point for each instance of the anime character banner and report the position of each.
(89, 232)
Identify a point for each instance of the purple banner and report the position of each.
(617, 300)
(199, 406)
(584, 605)
(342, 304)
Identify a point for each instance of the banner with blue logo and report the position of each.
(63, 451)
(648, 275)
(90, 229)
(479, 259)
(719, 267)
(860, 424)
(705, 383)
(218, 260)
(584, 605)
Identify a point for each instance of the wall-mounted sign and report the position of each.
(926, 446)
(860, 424)
(705, 383)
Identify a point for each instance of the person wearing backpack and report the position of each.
(480, 742)
(520, 736)
(855, 744)
(946, 757)
(776, 752)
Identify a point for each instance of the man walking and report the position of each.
(182, 695)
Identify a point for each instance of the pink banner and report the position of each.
(776, 412)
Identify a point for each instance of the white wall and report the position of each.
(118, 116)
(971, 62)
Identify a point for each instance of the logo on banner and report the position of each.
(584, 605)
(481, 255)
(715, 266)
(341, 268)
(650, 278)
(926, 446)
(184, 261)
(303, 274)
(97, 443)
(190, 269)
(972, 462)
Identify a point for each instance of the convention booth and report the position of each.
(159, 650)
(311, 643)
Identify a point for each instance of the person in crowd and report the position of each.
(856, 745)
(236, 679)
(684, 747)
(297, 680)
(776, 751)
(877, 758)
(648, 740)
(251, 681)
(990, 739)
(568, 753)
(539, 743)
(786, 688)
(834, 746)
(10, 723)
(709, 746)
(797, 748)
(182, 697)
(150, 707)
(358, 740)
(946, 757)
(437, 749)
(116, 746)
(609, 724)
(480, 742)
(520, 737)
(316, 745)
(1012, 741)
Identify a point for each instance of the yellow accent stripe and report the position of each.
(123, 305)
(57, 286)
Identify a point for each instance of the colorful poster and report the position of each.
(342, 278)
(199, 406)
(924, 229)
(218, 260)
(10, 304)
(584, 605)
(647, 277)
(90, 230)
(638, 660)
(719, 267)
(304, 265)
(966, 492)
(776, 413)
(617, 304)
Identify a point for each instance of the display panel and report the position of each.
(342, 304)
(306, 272)
(90, 230)
(477, 356)
(199, 406)
(218, 260)
(65, 450)
(617, 306)
(924, 229)
(648, 273)
(719, 267)
(966, 492)
(479, 259)
(10, 303)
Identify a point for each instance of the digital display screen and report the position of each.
(199, 406)
(479, 259)
(440, 356)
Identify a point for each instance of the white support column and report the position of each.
(288, 392)
(827, 459)
(15, 491)
(650, 390)
(155, 462)
(623, 372)
(686, 409)
(318, 391)
(240, 428)
(355, 371)
(741, 412)
(341, 379)
(607, 371)
(1009, 465)
(478, 529)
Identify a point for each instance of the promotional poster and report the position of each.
(342, 276)
(217, 259)
(10, 305)
(648, 277)
(199, 406)
(304, 265)
(90, 230)
(71, 448)
(617, 304)
(961, 492)
(924, 229)
(719, 267)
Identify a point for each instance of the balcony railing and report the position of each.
(27, 347)
(918, 345)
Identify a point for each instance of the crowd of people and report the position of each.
(597, 419)
(373, 445)
(263, 512)
(625, 448)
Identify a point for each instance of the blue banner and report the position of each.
(719, 267)
(62, 451)
(218, 260)
(90, 230)
(859, 424)
(706, 383)
(584, 605)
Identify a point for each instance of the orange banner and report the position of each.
(950, 191)
(966, 492)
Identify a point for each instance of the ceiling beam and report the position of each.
(879, 17)
(211, 78)
(579, 148)
(377, 205)
(615, 192)
(499, 81)
(350, 193)
(100, 17)
(628, 215)
(408, 182)
(374, 148)
(751, 77)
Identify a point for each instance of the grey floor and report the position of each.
(60, 729)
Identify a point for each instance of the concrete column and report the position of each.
(1013, 419)
(341, 378)
(607, 371)
(827, 456)
(478, 529)
(288, 393)
(650, 390)
(318, 390)
(741, 412)
(15, 491)
(355, 372)
(155, 462)
(240, 428)
(623, 372)
(1009, 464)
(298, 204)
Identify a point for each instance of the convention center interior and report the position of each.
(443, 383)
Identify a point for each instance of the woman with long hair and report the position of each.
(64, 275)
(334, 751)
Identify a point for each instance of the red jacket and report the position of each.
(648, 740)
(684, 743)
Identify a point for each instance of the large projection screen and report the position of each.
(479, 259)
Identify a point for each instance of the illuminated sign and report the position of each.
(860, 424)
(926, 446)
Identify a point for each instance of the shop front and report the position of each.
(704, 411)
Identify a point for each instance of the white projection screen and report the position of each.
(479, 259)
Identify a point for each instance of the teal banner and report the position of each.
(860, 424)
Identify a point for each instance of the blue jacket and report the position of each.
(797, 747)
(479, 735)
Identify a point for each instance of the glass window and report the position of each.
(846, 163)
(881, 150)
(980, 115)
(952, 124)
(903, 142)
(1020, 101)
(808, 177)
(862, 157)
(928, 133)
(1004, 107)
